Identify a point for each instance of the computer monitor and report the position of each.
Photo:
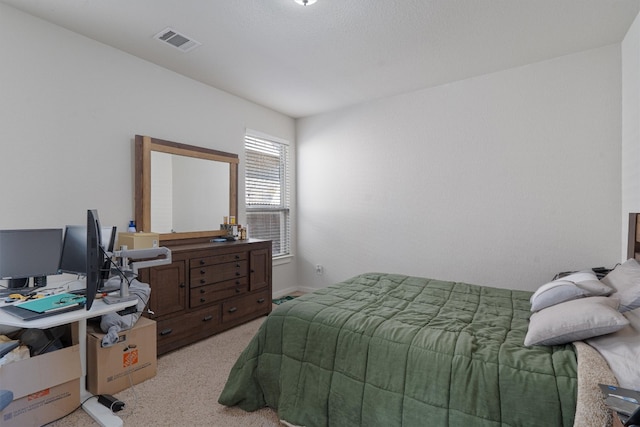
(108, 242)
(29, 253)
(95, 256)
(73, 259)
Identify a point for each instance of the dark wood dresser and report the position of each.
(208, 288)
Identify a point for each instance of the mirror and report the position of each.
(183, 191)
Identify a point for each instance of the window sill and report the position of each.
(284, 259)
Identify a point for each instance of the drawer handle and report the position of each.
(203, 300)
(166, 332)
(252, 270)
(182, 285)
(203, 281)
(237, 264)
(237, 273)
(237, 256)
(202, 291)
(202, 271)
(233, 309)
(201, 262)
(261, 300)
(207, 318)
(238, 290)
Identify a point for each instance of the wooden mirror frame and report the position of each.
(144, 145)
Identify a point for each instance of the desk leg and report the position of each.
(100, 413)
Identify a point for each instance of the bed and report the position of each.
(394, 350)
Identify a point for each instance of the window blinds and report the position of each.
(267, 192)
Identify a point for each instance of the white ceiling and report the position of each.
(305, 60)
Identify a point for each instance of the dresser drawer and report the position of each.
(218, 273)
(210, 293)
(246, 305)
(191, 323)
(217, 259)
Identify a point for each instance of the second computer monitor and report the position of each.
(29, 253)
(73, 259)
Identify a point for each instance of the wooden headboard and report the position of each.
(633, 245)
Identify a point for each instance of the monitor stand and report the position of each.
(122, 297)
(18, 283)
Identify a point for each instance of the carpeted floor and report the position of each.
(186, 388)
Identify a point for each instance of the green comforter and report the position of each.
(391, 350)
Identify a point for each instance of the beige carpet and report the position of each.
(186, 388)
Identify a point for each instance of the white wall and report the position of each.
(69, 110)
(504, 179)
(630, 127)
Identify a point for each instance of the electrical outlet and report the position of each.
(319, 269)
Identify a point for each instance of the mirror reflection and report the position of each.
(187, 194)
(182, 191)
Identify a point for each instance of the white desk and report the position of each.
(101, 414)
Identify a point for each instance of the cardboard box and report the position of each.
(44, 387)
(129, 361)
(139, 240)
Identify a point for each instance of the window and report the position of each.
(267, 191)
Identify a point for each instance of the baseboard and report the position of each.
(284, 292)
(291, 290)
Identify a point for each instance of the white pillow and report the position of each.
(625, 280)
(573, 286)
(595, 287)
(574, 321)
(581, 276)
(621, 350)
(554, 293)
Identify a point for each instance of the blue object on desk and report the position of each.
(52, 302)
(24, 314)
(47, 306)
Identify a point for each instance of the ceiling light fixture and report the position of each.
(305, 2)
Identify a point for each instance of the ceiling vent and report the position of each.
(177, 40)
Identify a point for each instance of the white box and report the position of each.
(44, 387)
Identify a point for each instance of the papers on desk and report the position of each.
(47, 306)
